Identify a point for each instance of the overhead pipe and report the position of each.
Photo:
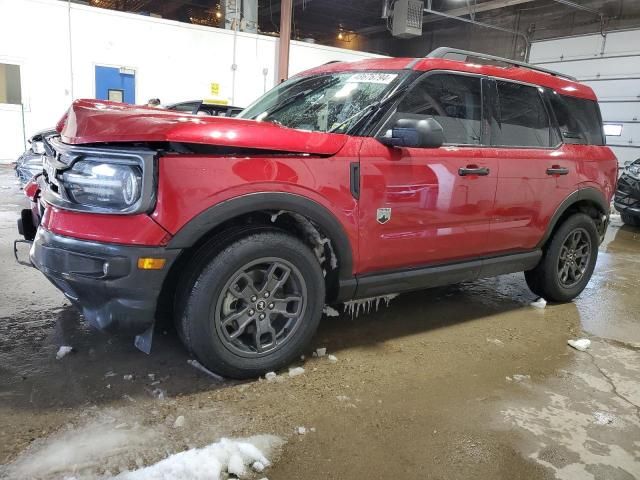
(481, 24)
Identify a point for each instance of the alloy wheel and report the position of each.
(260, 307)
(574, 258)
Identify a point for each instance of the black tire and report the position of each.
(214, 309)
(559, 279)
(629, 219)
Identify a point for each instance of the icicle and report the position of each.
(367, 304)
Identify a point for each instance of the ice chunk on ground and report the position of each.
(197, 365)
(321, 352)
(301, 430)
(580, 344)
(179, 422)
(603, 418)
(127, 377)
(520, 378)
(495, 341)
(332, 358)
(211, 462)
(258, 467)
(539, 303)
(63, 351)
(294, 372)
(366, 304)
(271, 376)
(330, 311)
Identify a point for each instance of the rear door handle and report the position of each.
(557, 171)
(473, 170)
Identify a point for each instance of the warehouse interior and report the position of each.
(477, 376)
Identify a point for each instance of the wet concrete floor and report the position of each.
(467, 381)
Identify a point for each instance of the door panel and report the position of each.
(527, 196)
(534, 178)
(110, 82)
(436, 215)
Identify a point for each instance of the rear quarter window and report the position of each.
(523, 120)
(579, 119)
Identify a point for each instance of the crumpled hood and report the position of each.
(97, 121)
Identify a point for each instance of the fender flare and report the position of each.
(589, 193)
(213, 216)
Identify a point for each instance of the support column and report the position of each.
(286, 11)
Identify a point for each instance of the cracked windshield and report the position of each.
(325, 103)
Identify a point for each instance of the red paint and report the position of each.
(96, 121)
(437, 215)
(120, 229)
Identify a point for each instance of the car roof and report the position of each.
(513, 72)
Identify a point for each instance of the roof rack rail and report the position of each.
(444, 52)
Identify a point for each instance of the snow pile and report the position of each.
(294, 372)
(603, 418)
(212, 462)
(367, 304)
(332, 358)
(330, 311)
(63, 351)
(581, 344)
(539, 303)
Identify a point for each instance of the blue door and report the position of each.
(113, 85)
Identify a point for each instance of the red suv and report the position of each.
(348, 181)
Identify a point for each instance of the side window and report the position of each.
(578, 119)
(455, 101)
(522, 118)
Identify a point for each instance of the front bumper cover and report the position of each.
(103, 280)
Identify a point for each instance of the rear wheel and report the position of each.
(629, 219)
(255, 306)
(568, 261)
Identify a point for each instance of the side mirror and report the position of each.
(409, 132)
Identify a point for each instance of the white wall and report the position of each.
(172, 61)
(611, 66)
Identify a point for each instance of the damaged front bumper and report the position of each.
(103, 280)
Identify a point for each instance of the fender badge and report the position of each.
(383, 215)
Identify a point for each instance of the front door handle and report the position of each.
(556, 170)
(473, 170)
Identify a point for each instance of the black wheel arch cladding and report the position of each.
(216, 215)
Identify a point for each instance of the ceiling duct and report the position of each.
(406, 20)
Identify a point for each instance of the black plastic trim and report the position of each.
(220, 213)
(591, 194)
(103, 280)
(439, 275)
(354, 179)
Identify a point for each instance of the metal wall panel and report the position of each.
(610, 64)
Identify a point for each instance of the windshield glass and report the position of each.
(327, 102)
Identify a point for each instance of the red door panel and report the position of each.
(436, 214)
(527, 196)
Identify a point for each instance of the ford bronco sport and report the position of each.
(348, 181)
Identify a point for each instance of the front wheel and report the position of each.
(568, 261)
(255, 306)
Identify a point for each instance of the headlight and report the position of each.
(633, 170)
(103, 185)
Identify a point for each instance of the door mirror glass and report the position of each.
(413, 133)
